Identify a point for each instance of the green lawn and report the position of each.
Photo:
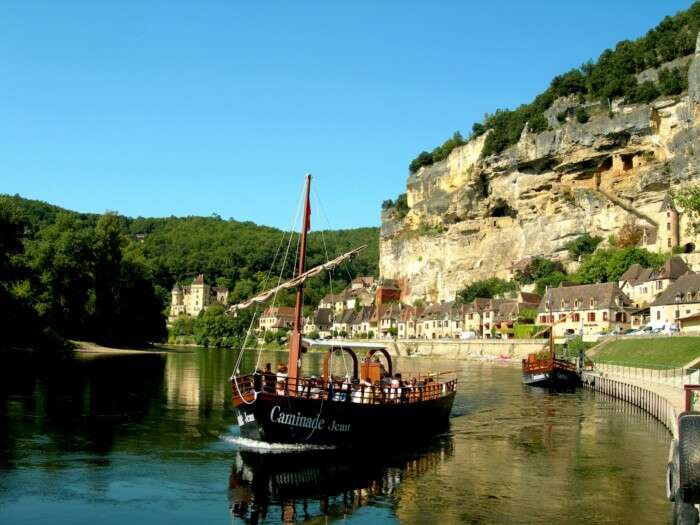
(649, 352)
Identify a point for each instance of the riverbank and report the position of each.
(87, 349)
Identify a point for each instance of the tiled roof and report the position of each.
(604, 295)
(530, 297)
(673, 268)
(323, 316)
(199, 279)
(686, 284)
(279, 311)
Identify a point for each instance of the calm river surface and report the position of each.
(151, 439)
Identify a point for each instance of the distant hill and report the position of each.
(228, 252)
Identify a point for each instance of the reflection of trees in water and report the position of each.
(81, 404)
(303, 486)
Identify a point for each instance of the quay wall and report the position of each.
(469, 348)
(663, 403)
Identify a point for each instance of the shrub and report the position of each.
(582, 116)
(582, 245)
(672, 81)
(486, 288)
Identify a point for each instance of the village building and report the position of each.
(407, 322)
(440, 321)
(388, 319)
(364, 322)
(276, 318)
(342, 323)
(585, 309)
(387, 291)
(320, 321)
(678, 304)
(643, 285)
(193, 298)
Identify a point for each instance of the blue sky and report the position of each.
(192, 108)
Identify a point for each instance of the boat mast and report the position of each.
(551, 324)
(295, 341)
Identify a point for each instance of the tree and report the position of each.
(109, 241)
(487, 288)
(630, 234)
(551, 280)
(645, 92)
(582, 245)
(672, 81)
(609, 265)
(61, 264)
(538, 268)
(581, 115)
(688, 198)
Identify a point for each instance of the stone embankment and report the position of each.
(663, 402)
(470, 348)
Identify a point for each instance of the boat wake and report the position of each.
(272, 448)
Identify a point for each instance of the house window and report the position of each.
(591, 317)
(562, 317)
(690, 296)
(658, 285)
(471, 316)
(669, 242)
(562, 304)
(668, 225)
(576, 317)
(605, 316)
(543, 318)
(577, 303)
(592, 303)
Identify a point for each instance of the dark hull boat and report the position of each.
(554, 374)
(292, 409)
(336, 418)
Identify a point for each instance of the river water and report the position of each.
(152, 439)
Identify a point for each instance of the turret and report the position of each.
(668, 225)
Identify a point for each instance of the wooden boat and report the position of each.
(546, 370)
(331, 410)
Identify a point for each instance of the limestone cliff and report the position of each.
(472, 217)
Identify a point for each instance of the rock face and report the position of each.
(471, 217)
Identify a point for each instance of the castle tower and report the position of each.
(199, 295)
(668, 236)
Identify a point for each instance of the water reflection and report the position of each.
(148, 439)
(294, 487)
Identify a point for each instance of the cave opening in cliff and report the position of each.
(607, 164)
(502, 209)
(484, 185)
(627, 163)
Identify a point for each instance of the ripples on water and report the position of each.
(149, 439)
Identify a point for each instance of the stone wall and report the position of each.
(471, 348)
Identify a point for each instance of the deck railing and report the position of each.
(338, 390)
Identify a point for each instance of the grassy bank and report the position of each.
(650, 352)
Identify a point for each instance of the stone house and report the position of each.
(320, 321)
(388, 318)
(343, 322)
(387, 291)
(193, 298)
(585, 309)
(643, 285)
(473, 315)
(363, 322)
(406, 324)
(440, 320)
(679, 302)
(276, 318)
